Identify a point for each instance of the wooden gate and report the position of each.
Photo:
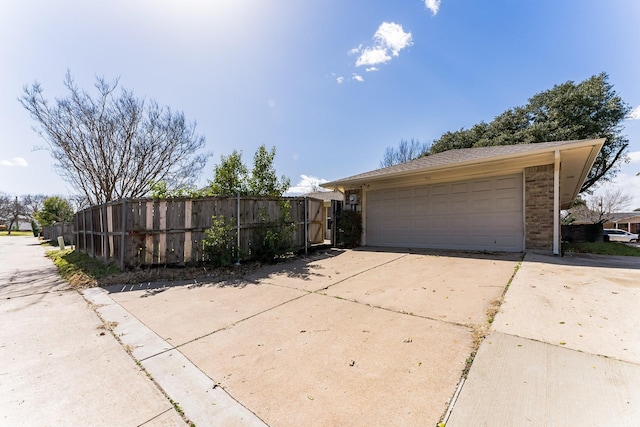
(315, 221)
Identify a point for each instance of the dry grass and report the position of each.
(81, 271)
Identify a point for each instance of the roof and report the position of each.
(577, 158)
(326, 195)
(625, 217)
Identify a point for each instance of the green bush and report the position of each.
(349, 228)
(35, 228)
(273, 240)
(220, 243)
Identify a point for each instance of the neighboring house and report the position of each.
(22, 224)
(327, 197)
(629, 221)
(500, 198)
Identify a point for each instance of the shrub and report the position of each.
(349, 228)
(220, 243)
(274, 240)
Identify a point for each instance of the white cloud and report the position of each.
(355, 50)
(432, 5)
(307, 184)
(357, 77)
(634, 157)
(340, 80)
(634, 114)
(393, 37)
(389, 40)
(373, 56)
(16, 161)
(370, 69)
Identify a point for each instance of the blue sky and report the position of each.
(329, 83)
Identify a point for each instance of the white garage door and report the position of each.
(478, 214)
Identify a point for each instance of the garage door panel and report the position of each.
(405, 194)
(481, 214)
(389, 195)
(440, 205)
(460, 205)
(439, 223)
(424, 191)
(459, 224)
(439, 190)
(481, 186)
(460, 188)
(508, 183)
(481, 204)
(510, 204)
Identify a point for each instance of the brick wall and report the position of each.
(538, 217)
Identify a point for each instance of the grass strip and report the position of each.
(79, 269)
(602, 248)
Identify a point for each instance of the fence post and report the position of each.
(105, 232)
(123, 237)
(306, 226)
(238, 229)
(93, 230)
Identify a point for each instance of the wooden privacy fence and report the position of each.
(146, 232)
(65, 229)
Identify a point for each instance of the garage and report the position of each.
(479, 214)
(495, 198)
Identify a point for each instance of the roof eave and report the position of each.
(342, 184)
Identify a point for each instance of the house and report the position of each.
(629, 221)
(500, 198)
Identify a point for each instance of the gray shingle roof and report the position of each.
(625, 216)
(456, 157)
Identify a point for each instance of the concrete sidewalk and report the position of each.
(564, 349)
(59, 366)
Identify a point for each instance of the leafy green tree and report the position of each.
(161, 190)
(54, 209)
(569, 111)
(230, 176)
(263, 180)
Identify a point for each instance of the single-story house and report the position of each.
(629, 221)
(499, 198)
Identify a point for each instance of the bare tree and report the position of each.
(599, 208)
(406, 151)
(78, 202)
(33, 203)
(114, 146)
(5, 209)
(14, 209)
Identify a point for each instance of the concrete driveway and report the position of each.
(564, 349)
(357, 337)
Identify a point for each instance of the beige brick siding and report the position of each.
(538, 208)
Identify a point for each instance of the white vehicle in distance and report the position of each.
(616, 235)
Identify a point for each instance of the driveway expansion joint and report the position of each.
(362, 272)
